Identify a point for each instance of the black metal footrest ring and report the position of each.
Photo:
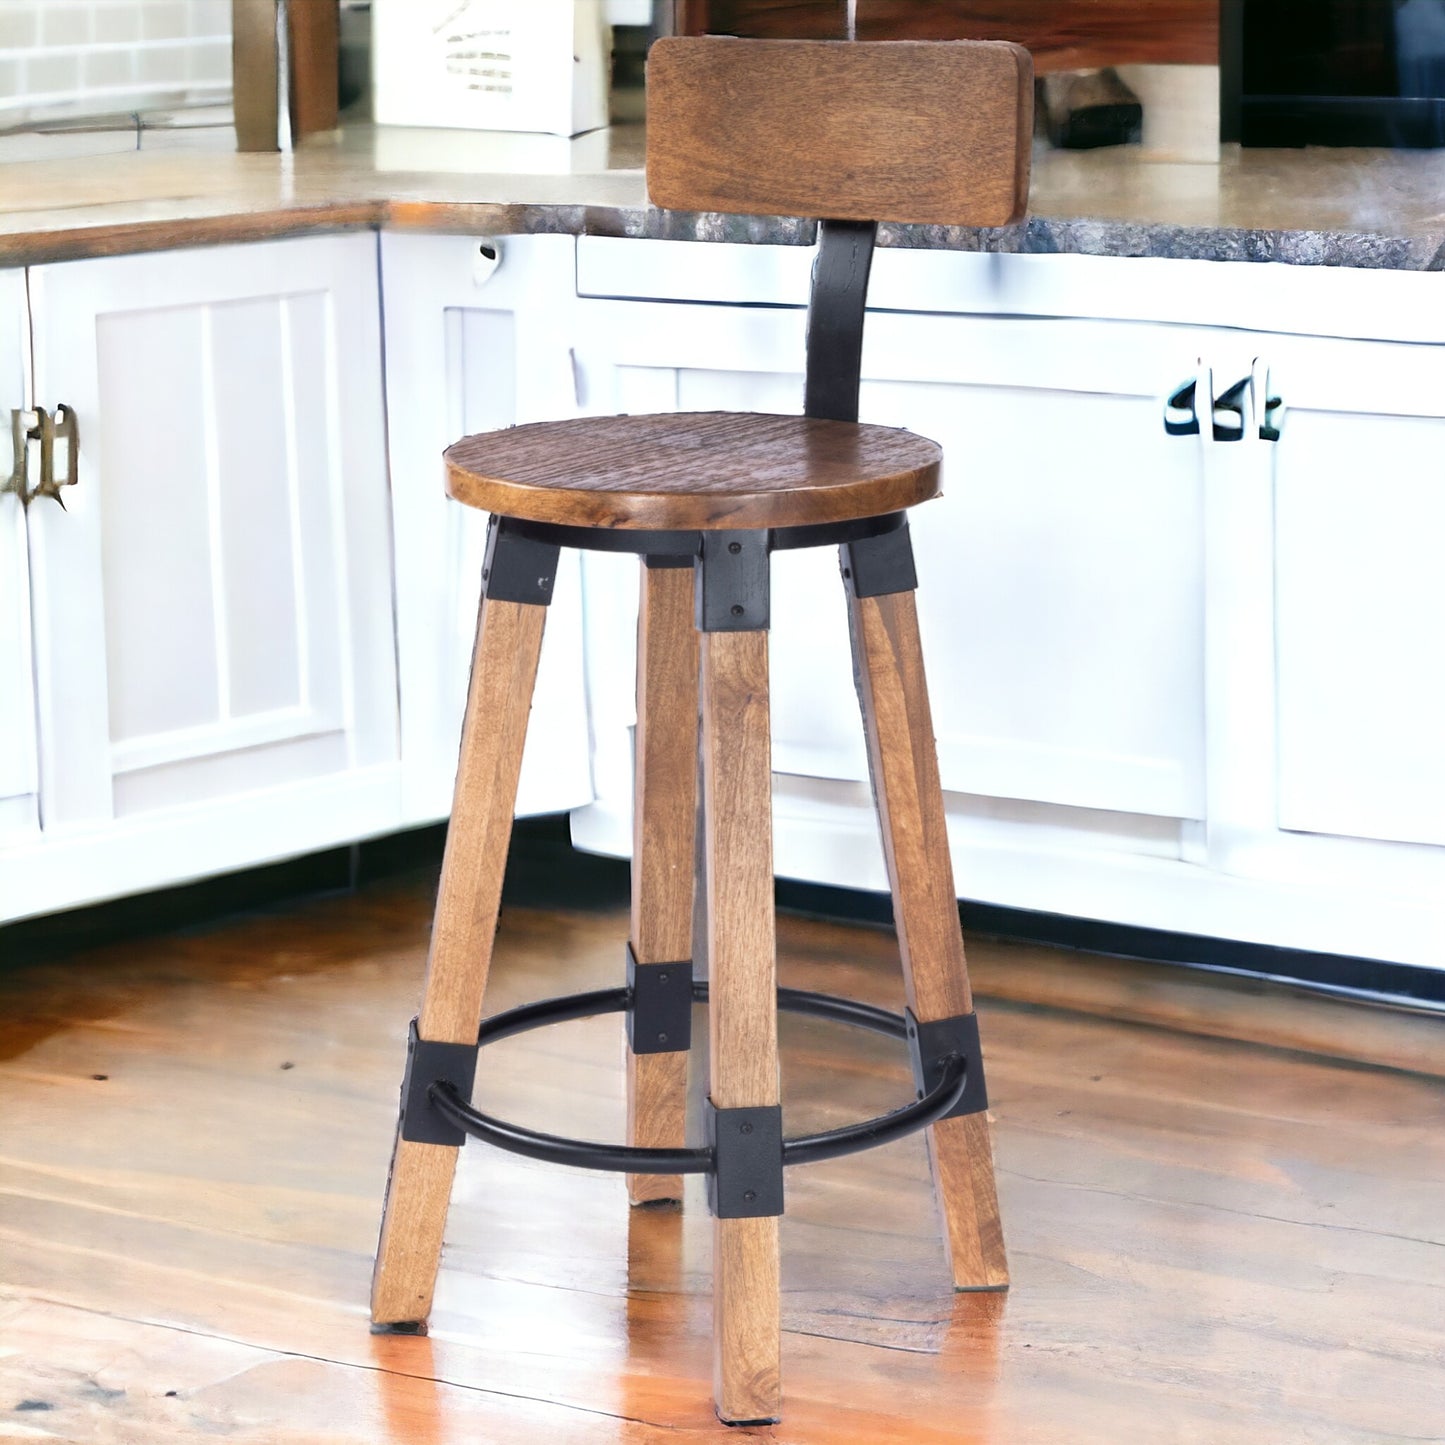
(929, 1107)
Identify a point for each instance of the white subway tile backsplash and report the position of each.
(65, 24)
(52, 75)
(19, 24)
(164, 19)
(117, 22)
(209, 62)
(210, 17)
(162, 67)
(62, 58)
(104, 68)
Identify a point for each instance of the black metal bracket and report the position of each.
(732, 582)
(877, 566)
(835, 319)
(428, 1063)
(518, 568)
(747, 1174)
(936, 1046)
(659, 1017)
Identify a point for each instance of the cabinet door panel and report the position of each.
(160, 481)
(1061, 572)
(1359, 532)
(472, 347)
(19, 815)
(1061, 596)
(215, 603)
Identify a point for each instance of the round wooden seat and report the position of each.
(706, 470)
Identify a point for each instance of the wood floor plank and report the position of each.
(1213, 1241)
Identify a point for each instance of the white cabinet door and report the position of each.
(1359, 536)
(1326, 608)
(19, 812)
(1060, 574)
(478, 336)
(214, 645)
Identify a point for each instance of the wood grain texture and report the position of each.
(693, 469)
(225, 227)
(1060, 34)
(769, 19)
(313, 36)
(737, 787)
(499, 699)
(742, 1014)
(255, 74)
(747, 1343)
(663, 815)
(905, 132)
(202, 1218)
(903, 760)
(656, 1119)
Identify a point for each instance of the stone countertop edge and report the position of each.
(1035, 236)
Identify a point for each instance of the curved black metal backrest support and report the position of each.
(835, 319)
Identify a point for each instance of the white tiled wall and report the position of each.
(62, 58)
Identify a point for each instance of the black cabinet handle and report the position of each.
(1181, 419)
(1230, 428)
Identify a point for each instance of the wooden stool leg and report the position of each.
(888, 662)
(664, 804)
(743, 1035)
(504, 669)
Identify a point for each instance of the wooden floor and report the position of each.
(1211, 1241)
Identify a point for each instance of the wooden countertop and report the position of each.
(1381, 209)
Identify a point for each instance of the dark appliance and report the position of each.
(1333, 72)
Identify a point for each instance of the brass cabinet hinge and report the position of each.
(38, 425)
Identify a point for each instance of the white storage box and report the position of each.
(523, 65)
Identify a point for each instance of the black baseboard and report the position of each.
(545, 871)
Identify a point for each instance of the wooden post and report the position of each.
(255, 74)
(664, 807)
(743, 1030)
(504, 671)
(888, 660)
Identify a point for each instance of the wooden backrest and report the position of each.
(930, 132)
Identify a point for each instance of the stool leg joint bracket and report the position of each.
(659, 1011)
(429, 1063)
(879, 566)
(746, 1181)
(518, 568)
(732, 586)
(933, 1045)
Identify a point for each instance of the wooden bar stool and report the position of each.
(907, 132)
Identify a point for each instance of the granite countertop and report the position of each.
(1367, 208)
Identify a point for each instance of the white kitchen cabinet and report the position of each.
(214, 653)
(1359, 530)
(1325, 605)
(1060, 586)
(1179, 684)
(478, 336)
(19, 790)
